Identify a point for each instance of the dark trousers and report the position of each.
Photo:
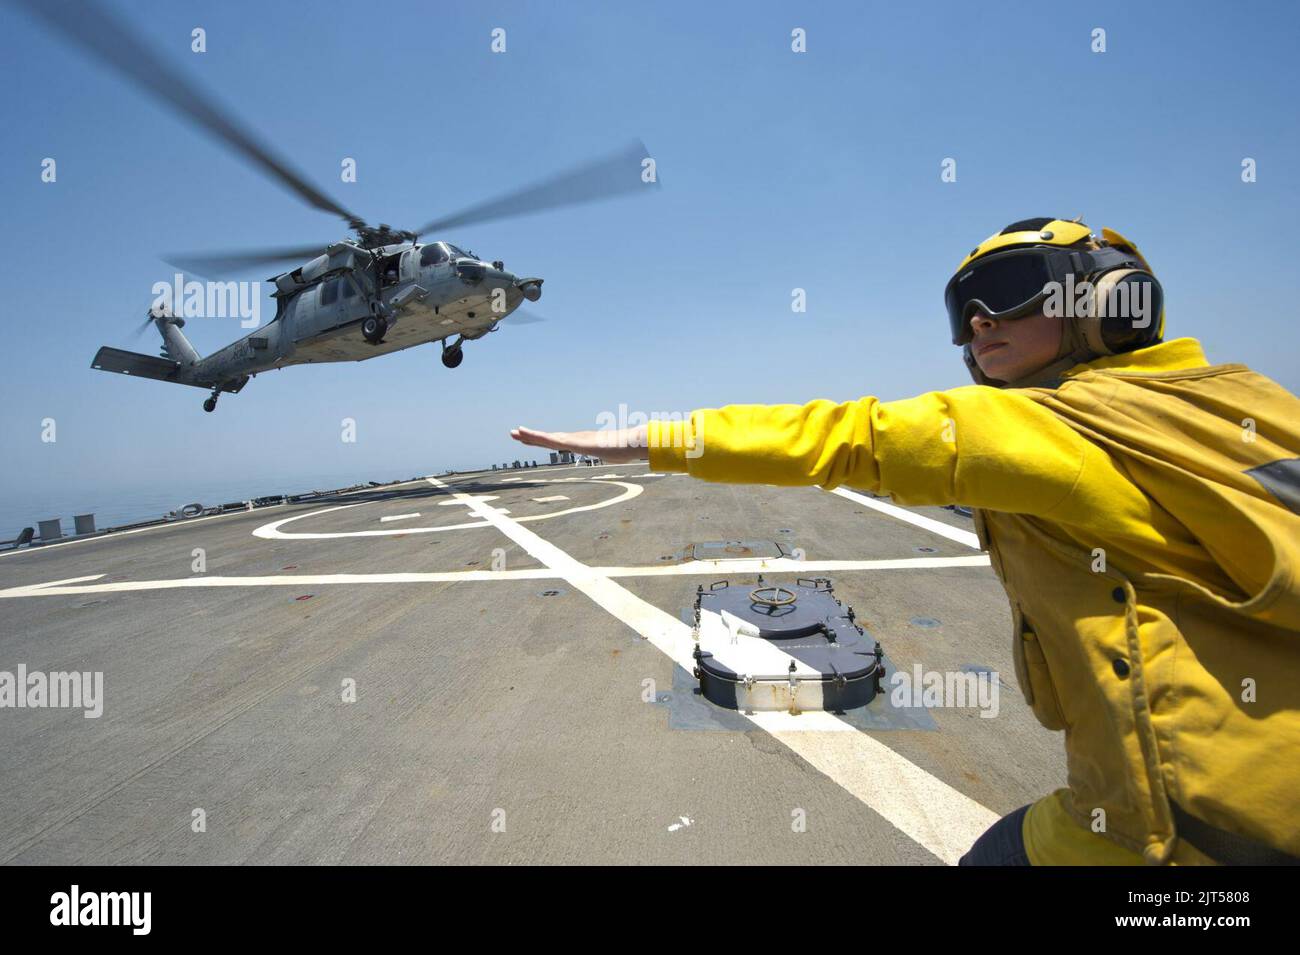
(1002, 844)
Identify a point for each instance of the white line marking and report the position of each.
(553, 497)
(77, 585)
(399, 517)
(477, 497)
(56, 588)
(182, 523)
(239, 513)
(272, 531)
(928, 523)
(212, 517)
(941, 819)
(786, 565)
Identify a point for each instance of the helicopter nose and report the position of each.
(484, 276)
(493, 275)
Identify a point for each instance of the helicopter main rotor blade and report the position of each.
(604, 178)
(100, 33)
(222, 263)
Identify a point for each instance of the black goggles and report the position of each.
(1012, 284)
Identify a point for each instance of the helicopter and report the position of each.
(374, 292)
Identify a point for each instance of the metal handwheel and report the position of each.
(780, 596)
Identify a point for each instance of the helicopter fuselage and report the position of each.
(352, 303)
(423, 293)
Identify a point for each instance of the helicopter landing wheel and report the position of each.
(210, 404)
(452, 357)
(373, 329)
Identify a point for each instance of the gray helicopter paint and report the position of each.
(176, 346)
(427, 304)
(436, 304)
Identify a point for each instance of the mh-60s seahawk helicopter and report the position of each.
(357, 298)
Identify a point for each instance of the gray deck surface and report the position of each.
(483, 704)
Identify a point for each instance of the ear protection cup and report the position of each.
(1125, 311)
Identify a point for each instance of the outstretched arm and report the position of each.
(979, 446)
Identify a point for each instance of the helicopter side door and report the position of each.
(355, 295)
(335, 302)
(328, 304)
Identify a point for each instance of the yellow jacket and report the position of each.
(1144, 518)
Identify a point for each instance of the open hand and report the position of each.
(612, 447)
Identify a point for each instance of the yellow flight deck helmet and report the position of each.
(1102, 285)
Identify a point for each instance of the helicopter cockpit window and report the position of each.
(329, 292)
(433, 255)
(459, 253)
(349, 290)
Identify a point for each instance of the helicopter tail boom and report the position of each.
(175, 345)
(160, 369)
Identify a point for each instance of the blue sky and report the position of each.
(779, 170)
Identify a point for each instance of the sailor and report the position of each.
(1141, 508)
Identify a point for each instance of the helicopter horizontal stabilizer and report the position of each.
(135, 364)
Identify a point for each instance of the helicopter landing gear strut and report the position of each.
(374, 328)
(452, 356)
(211, 404)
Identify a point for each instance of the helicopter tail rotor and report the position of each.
(175, 345)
